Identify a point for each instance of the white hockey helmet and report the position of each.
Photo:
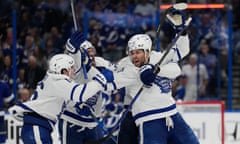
(87, 44)
(140, 41)
(59, 62)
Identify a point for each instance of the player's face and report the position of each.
(91, 52)
(92, 55)
(138, 57)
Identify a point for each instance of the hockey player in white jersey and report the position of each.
(42, 111)
(79, 125)
(155, 110)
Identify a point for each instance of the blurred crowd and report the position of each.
(44, 26)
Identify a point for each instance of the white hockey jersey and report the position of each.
(69, 113)
(157, 101)
(52, 92)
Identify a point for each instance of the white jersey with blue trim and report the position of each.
(53, 91)
(69, 113)
(156, 101)
(101, 62)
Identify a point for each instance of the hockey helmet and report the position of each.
(59, 62)
(87, 44)
(140, 41)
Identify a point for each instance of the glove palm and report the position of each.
(176, 18)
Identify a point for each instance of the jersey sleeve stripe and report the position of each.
(72, 93)
(82, 92)
(156, 111)
(114, 85)
(178, 53)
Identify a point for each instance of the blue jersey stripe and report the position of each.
(114, 85)
(28, 108)
(82, 92)
(178, 53)
(24, 106)
(71, 97)
(156, 111)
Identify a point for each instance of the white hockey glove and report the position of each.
(74, 42)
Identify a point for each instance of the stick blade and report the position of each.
(180, 6)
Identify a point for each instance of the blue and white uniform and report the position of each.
(157, 96)
(77, 128)
(155, 110)
(42, 111)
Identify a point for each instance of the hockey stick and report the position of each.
(76, 28)
(178, 6)
(156, 70)
(101, 124)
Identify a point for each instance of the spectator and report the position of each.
(7, 48)
(180, 91)
(20, 79)
(49, 47)
(6, 100)
(41, 57)
(57, 40)
(29, 46)
(144, 8)
(112, 43)
(6, 75)
(24, 95)
(210, 61)
(33, 73)
(197, 79)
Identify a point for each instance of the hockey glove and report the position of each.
(107, 73)
(74, 42)
(83, 109)
(86, 59)
(147, 75)
(176, 18)
(106, 76)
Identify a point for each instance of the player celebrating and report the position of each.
(41, 112)
(155, 110)
(81, 124)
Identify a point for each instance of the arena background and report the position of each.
(40, 29)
